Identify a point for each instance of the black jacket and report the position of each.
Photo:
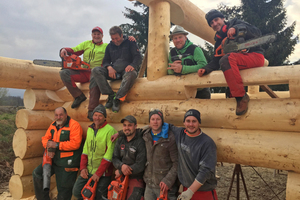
(132, 153)
(119, 57)
(251, 32)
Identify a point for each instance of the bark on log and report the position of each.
(24, 74)
(159, 30)
(24, 167)
(41, 100)
(28, 143)
(270, 149)
(293, 186)
(22, 187)
(36, 120)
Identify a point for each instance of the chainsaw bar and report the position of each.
(49, 63)
(257, 41)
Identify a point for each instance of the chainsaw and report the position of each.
(231, 45)
(88, 192)
(68, 62)
(117, 190)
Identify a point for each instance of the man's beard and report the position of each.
(129, 133)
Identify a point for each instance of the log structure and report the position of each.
(266, 136)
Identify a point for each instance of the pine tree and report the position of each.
(139, 27)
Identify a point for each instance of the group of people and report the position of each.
(159, 157)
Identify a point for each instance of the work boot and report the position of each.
(78, 100)
(90, 115)
(109, 102)
(242, 105)
(116, 105)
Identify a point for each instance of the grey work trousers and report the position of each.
(99, 84)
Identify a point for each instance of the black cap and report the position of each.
(129, 118)
(100, 109)
(156, 111)
(213, 14)
(194, 113)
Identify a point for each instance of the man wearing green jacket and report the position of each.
(186, 58)
(96, 158)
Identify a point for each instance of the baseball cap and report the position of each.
(129, 118)
(97, 28)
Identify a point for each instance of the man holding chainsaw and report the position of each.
(97, 154)
(93, 53)
(232, 62)
(121, 61)
(186, 58)
(129, 158)
(62, 142)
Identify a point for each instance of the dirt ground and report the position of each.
(261, 183)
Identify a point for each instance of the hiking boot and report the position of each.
(116, 105)
(110, 100)
(242, 105)
(78, 100)
(90, 115)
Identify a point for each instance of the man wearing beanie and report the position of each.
(232, 62)
(129, 158)
(96, 158)
(162, 158)
(186, 58)
(197, 159)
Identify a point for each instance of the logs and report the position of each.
(22, 187)
(28, 119)
(271, 149)
(28, 143)
(26, 166)
(24, 74)
(159, 30)
(293, 186)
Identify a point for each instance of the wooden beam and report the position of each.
(144, 65)
(269, 91)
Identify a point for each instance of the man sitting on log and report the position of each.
(121, 61)
(232, 62)
(186, 58)
(197, 159)
(93, 53)
(129, 158)
(63, 144)
(97, 154)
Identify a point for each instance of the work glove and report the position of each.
(186, 195)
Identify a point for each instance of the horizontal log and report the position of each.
(22, 187)
(24, 74)
(28, 143)
(263, 114)
(270, 149)
(28, 119)
(293, 186)
(41, 100)
(24, 167)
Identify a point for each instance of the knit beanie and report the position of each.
(100, 109)
(213, 14)
(194, 113)
(156, 111)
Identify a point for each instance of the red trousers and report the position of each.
(204, 195)
(136, 188)
(232, 63)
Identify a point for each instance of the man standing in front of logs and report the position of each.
(63, 142)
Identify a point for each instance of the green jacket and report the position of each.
(99, 147)
(191, 63)
(92, 53)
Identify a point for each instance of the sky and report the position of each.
(35, 29)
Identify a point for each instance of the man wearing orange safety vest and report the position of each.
(63, 141)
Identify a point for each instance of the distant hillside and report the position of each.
(11, 101)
